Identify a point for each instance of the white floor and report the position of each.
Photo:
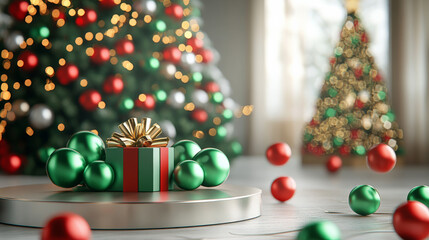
(317, 192)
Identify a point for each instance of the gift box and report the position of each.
(140, 169)
(141, 162)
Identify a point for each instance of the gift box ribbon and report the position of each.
(135, 134)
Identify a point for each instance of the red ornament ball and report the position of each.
(80, 21)
(11, 163)
(199, 115)
(113, 85)
(18, 9)
(101, 55)
(89, 17)
(107, 3)
(283, 188)
(172, 54)
(147, 104)
(206, 54)
(344, 150)
(195, 43)
(124, 47)
(411, 220)
(334, 164)
(67, 73)
(278, 153)
(66, 226)
(211, 87)
(29, 60)
(89, 100)
(175, 11)
(381, 158)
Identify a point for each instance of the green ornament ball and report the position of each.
(221, 133)
(235, 148)
(215, 165)
(185, 150)
(161, 95)
(65, 167)
(364, 200)
(98, 175)
(320, 230)
(188, 175)
(40, 33)
(420, 194)
(159, 26)
(89, 144)
(44, 153)
(126, 104)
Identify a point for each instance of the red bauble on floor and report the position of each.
(283, 188)
(334, 164)
(66, 226)
(278, 153)
(381, 158)
(411, 220)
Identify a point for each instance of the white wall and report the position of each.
(227, 25)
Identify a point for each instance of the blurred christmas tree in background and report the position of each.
(352, 114)
(90, 65)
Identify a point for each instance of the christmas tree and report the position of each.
(90, 65)
(352, 113)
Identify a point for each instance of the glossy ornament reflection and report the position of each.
(364, 200)
(65, 167)
(420, 194)
(320, 230)
(188, 175)
(185, 150)
(89, 144)
(215, 165)
(98, 175)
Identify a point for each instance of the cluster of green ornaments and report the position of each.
(195, 167)
(82, 161)
(365, 200)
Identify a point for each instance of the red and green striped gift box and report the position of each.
(141, 169)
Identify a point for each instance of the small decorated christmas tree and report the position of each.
(352, 114)
(90, 65)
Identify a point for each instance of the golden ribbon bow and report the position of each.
(135, 134)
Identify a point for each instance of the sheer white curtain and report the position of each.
(410, 28)
(292, 41)
(277, 101)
